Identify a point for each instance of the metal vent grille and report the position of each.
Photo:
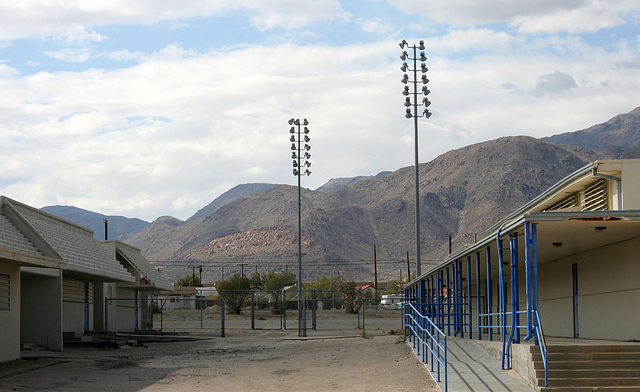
(5, 292)
(571, 201)
(73, 291)
(595, 197)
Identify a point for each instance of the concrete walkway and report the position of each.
(472, 369)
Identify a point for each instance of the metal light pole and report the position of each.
(299, 134)
(408, 103)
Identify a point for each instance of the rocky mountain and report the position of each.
(118, 227)
(462, 192)
(336, 183)
(610, 138)
(232, 194)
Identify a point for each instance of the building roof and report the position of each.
(133, 256)
(60, 239)
(15, 247)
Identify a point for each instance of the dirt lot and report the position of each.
(265, 360)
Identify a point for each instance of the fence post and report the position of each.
(304, 318)
(364, 333)
(253, 311)
(106, 314)
(222, 334)
(284, 308)
(314, 309)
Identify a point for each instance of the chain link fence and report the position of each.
(323, 313)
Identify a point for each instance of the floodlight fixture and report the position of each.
(412, 64)
(300, 156)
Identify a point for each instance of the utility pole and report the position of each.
(375, 270)
(450, 235)
(408, 269)
(242, 269)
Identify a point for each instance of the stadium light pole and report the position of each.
(411, 90)
(300, 155)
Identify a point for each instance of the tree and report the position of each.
(275, 283)
(235, 292)
(256, 279)
(394, 286)
(188, 281)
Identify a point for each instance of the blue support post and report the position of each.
(477, 297)
(489, 291)
(534, 269)
(454, 304)
(503, 305)
(448, 304)
(440, 300)
(527, 272)
(469, 297)
(515, 287)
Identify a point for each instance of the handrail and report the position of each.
(543, 347)
(428, 334)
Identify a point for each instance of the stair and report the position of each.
(592, 368)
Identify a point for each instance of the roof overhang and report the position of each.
(13, 256)
(560, 234)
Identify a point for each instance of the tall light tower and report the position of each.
(300, 155)
(411, 90)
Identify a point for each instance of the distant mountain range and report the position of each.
(118, 227)
(462, 192)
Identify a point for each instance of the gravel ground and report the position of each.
(336, 360)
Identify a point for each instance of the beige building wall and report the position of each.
(73, 311)
(41, 307)
(10, 319)
(608, 294)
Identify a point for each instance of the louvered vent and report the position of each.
(5, 292)
(595, 197)
(571, 201)
(73, 291)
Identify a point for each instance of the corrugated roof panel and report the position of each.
(134, 256)
(12, 238)
(83, 254)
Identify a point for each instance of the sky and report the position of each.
(149, 108)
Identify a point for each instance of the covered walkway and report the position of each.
(472, 368)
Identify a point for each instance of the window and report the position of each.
(5, 292)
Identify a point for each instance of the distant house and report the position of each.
(128, 307)
(367, 290)
(181, 297)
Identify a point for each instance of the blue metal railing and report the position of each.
(543, 347)
(425, 335)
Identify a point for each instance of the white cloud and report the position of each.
(526, 16)
(61, 18)
(178, 128)
(70, 54)
(554, 82)
(375, 26)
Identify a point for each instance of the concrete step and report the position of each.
(591, 382)
(593, 368)
(563, 365)
(609, 348)
(589, 356)
(589, 389)
(590, 373)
